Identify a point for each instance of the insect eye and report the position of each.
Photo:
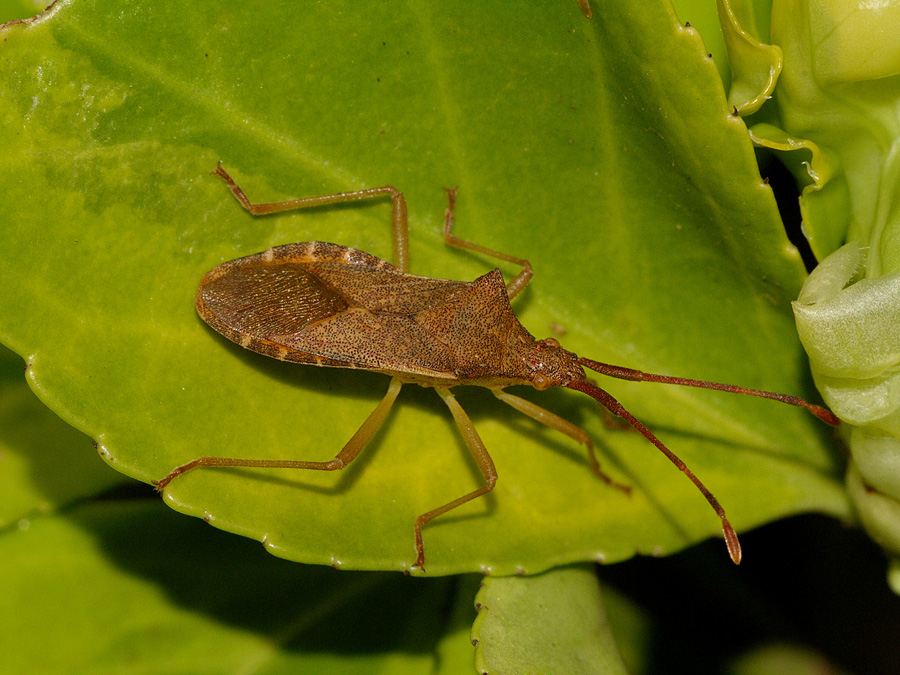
(540, 382)
(551, 342)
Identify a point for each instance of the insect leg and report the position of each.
(482, 458)
(347, 454)
(398, 209)
(553, 421)
(521, 279)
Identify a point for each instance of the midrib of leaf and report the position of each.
(212, 106)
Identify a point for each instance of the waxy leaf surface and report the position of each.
(632, 190)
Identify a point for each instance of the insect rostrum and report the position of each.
(323, 304)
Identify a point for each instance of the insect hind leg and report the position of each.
(520, 281)
(398, 209)
(482, 458)
(347, 454)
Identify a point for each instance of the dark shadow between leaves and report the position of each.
(62, 464)
(811, 582)
(307, 609)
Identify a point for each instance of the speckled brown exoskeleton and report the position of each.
(328, 305)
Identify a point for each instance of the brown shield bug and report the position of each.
(328, 305)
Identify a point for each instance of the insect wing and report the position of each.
(336, 307)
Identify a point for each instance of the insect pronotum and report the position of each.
(329, 305)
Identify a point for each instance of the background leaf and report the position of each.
(552, 622)
(226, 608)
(16, 10)
(44, 463)
(634, 194)
(693, 612)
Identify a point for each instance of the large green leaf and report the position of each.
(95, 592)
(631, 188)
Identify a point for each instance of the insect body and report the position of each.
(329, 305)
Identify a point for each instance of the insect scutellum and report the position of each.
(323, 304)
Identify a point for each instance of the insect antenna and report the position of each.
(616, 408)
(639, 376)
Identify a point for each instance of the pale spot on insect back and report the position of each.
(269, 255)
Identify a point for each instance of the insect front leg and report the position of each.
(554, 421)
(398, 209)
(514, 287)
(347, 454)
(482, 458)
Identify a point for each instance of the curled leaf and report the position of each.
(755, 66)
(849, 329)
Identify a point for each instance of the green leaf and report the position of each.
(825, 199)
(96, 592)
(837, 101)
(782, 659)
(632, 190)
(550, 623)
(836, 96)
(17, 10)
(44, 463)
(755, 66)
